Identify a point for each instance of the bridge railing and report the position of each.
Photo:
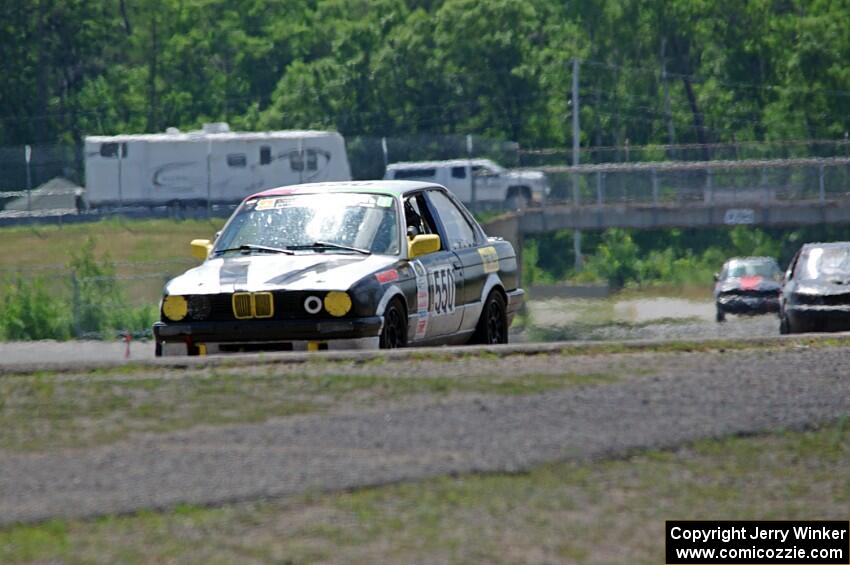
(707, 182)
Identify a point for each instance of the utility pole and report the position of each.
(209, 177)
(671, 133)
(472, 188)
(386, 152)
(576, 194)
(28, 159)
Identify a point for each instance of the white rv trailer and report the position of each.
(214, 164)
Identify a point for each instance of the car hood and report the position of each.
(822, 288)
(526, 175)
(748, 283)
(309, 271)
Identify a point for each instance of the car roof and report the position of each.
(438, 164)
(757, 259)
(827, 244)
(395, 188)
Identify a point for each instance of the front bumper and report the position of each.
(819, 318)
(259, 335)
(515, 301)
(748, 304)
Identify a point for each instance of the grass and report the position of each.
(46, 250)
(44, 411)
(584, 512)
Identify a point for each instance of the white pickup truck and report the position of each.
(487, 181)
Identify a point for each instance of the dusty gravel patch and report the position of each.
(679, 397)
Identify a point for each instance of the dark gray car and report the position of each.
(747, 285)
(816, 293)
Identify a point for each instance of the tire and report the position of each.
(157, 352)
(492, 326)
(801, 327)
(394, 332)
(720, 316)
(518, 200)
(784, 326)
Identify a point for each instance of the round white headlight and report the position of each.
(313, 304)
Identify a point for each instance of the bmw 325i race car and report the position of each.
(342, 265)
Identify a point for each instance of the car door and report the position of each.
(464, 240)
(439, 274)
(488, 184)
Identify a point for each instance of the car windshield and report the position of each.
(824, 262)
(740, 269)
(366, 222)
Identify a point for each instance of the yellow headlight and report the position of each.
(175, 308)
(337, 303)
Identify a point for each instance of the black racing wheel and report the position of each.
(492, 326)
(394, 332)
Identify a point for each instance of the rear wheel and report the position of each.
(518, 199)
(493, 324)
(394, 332)
(720, 316)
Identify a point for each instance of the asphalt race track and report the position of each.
(688, 395)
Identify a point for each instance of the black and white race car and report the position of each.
(343, 265)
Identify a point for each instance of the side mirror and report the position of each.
(423, 245)
(716, 277)
(201, 249)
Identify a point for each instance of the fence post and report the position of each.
(821, 188)
(600, 191)
(654, 186)
(707, 191)
(75, 303)
(28, 159)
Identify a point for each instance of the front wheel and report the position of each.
(394, 332)
(518, 201)
(720, 316)
(493, 324)
(784, 326)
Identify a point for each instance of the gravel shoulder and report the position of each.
(658, 400)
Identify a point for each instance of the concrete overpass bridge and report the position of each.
(775, 192)
(706, 194)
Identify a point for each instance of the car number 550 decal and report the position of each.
(441, 284)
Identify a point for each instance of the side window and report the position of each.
(415, 173)
(237, 160)
(296, 161)
(458, 230)
(265, 155)
(797, 265)
(111, 149)
(459, 172)
(312, 160)
(417, 217)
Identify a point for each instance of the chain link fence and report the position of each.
(711, 182)
(86, 301)
(709, 173)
